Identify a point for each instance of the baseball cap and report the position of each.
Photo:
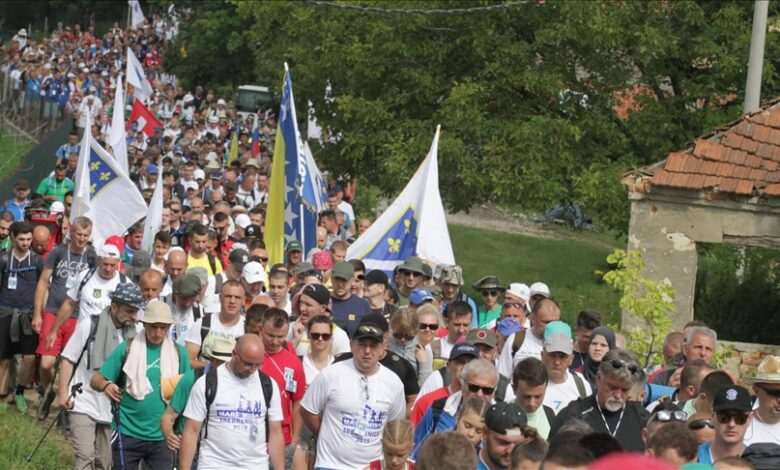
(152, 169)
(254, 272)
(318, 292)
(129, 294)
(108, 251)
(540, 288)
(558, 342)
(322, 260)
(420, 295)
(187, 285)
(413, 264)
(343, 270)
(242, 220)
(503, 417)
(294, 245)
(732, 397)
(253, 230)
(22, 184)
(198, 174)
(557, 327)
(519, 290)
(372, 326)
(452, 274)
(376, 277)
(187, 185)
(482, 336)
(57, 207)
(238, 257)
(303, 267)
(508, 326)
(464, 349)
(157, 312)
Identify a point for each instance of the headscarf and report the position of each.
(590, 366)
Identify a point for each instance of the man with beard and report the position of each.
(609, 410)
(504, 425)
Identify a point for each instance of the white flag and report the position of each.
(413, 225)
(137, 77)
(117, 138)
(104, 192)
(136, 15)
(153, 216)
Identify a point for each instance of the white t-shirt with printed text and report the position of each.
(236, 427)
(531, 347)
(355, 410)
(557, 396)
(95, 296)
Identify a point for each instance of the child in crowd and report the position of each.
(471, 421)
(397, 443)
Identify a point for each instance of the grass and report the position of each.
(12, 151)
(19, 434)
(566, 266)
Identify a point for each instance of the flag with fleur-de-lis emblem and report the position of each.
(104, 193)
(414, 225)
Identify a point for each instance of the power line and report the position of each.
(415, 11)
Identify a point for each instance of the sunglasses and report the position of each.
(666, 416)
(514, 305)
(725, 418)
(485, 390)
(617, 364)
(258, 259)
(771, 392)
(400, 336)
(429, 326)
(410, 273)
(701, 424)
(361, 277)
(491, 293)
(372, 330)
(320, 336)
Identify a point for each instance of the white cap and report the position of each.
(199, 174)
(188, 97)
(519, 290)
(57, 206)
(253, 272)
(211, 156)
(189, 185)
(213, 119)
(242, 220)
(221, 101)
(108, 251)
(540, 288)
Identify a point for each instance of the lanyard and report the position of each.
(81, 258)
(284, 391)
(620, 419)
(12, 257)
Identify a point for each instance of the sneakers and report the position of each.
(45, 408)
(21, 403)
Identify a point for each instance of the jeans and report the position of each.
(155, 455)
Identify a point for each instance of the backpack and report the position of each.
(205, 327)
(212, 263)
(580, 384)
(218, 284)
(518, 340)
(197, 310)
(437, 407)
(211, 393)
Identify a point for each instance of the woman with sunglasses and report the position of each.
(602, 341)
(404, 342)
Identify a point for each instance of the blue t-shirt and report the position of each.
(347, 313)
(704, 453)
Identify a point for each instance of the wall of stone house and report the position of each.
(665, 229)
(741, 359)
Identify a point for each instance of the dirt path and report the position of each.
(488, 216)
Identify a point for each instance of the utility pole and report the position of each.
(756, 62)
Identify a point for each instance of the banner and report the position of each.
(145, 119)
(137, 77)
(154, 215)
(136, 15)
(117, 137)
(413, 225)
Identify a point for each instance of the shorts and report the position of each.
(63, 334)
(26, 345)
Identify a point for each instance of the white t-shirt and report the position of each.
(211, 302)
(217, 329)
(558, 396)
(89, 402)
(95, 296)
(446, 347)
(167, 288)
(182, 323)
(346, 208)
(236, 427)
(339, 341)
(310, 369)
(531, 347)
(355, 410)
(759, 431)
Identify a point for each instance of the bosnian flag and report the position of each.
(137, 77)
(117, 138)
(145, 119)
(413, 225)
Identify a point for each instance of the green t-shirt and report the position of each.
(484, 317)
(538, 420)
(182, 394)
(141, 418)
(50, 187)
(5, 243)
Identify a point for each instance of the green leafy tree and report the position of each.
(649, 302)
(526, 95)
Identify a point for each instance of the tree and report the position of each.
(525, 94)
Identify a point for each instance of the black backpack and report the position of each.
(211, 393)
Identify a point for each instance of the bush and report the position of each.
(737, 292)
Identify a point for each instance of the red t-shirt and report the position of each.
(287, 370)
(425, 402)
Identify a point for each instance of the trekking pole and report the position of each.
(120, 443)
(74, 390)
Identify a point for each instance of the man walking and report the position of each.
(228, 323)
(243, 423)
(347, 309)
(504, 426)
(349, 403)
(91, 343)
(132, 378)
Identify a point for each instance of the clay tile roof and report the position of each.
(742, 158)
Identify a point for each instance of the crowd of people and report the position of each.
(199, 353)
